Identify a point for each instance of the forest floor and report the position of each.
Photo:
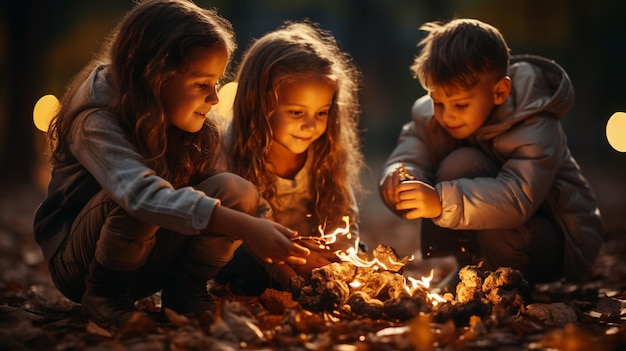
(35, 316)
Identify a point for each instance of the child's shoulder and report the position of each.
(422, 108)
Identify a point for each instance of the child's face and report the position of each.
(464, 111)
(189, 96)
(301, 114)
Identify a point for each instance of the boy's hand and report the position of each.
(388, 189)
(417, 199)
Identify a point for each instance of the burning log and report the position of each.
(505, 287)
(405, 307)
(470, 286)
(329, 288)
(388, 258)
(362, 304)
(384, 285)
(478, 293)
(371, 288)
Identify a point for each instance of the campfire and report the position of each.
(366, 303)
(373, 286)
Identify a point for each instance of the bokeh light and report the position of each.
(45, 109)
(616, 131)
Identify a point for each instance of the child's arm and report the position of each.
(267, 240)
(408, 161)
(413, 156)
(100, 146)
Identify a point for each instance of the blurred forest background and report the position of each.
(44, 43)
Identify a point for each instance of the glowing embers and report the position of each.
(362, 284)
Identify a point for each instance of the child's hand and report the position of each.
(270, 241)
(418, 200)
(388, 189)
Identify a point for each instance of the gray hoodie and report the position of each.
(525, 138)
(102, 158)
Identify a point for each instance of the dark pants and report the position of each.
(535, 249)
(107, 233)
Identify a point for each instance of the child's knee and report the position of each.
(505, 248)
(466, 162)
(233, 192)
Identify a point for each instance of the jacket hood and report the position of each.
(95, 91)
(538, 85)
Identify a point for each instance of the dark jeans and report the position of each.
(535, 249)
(118, 241)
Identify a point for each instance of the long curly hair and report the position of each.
(145, 50)
(295, 50)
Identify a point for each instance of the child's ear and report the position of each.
(501, 90)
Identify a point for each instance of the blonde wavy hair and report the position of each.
(298, 49)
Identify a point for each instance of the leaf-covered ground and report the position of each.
(34, 316)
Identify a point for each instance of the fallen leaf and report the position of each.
(556, 314)
(175, 318)
(93, 328)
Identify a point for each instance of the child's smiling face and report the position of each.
(463, 112)
(191, 94)
(301, 114)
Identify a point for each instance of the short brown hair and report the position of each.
(454, 54)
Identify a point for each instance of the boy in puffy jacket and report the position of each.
(485, 162)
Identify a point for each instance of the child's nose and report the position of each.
(308, 122)
(212, 97)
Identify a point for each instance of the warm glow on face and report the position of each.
(616, 131)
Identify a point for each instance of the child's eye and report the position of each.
(202, 85)
(461, 105)
(322, 114)
(295, 113)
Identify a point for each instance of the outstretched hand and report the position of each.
(271, 242)
(267, 240)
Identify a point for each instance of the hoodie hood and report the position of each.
(94, 92)
(538, 86)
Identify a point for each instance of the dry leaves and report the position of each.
(33, 315)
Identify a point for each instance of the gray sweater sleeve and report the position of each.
(99, 144)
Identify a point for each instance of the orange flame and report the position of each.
(350, 255)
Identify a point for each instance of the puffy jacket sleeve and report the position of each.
(530, 152)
